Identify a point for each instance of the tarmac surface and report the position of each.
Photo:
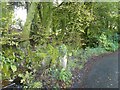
(100, 72)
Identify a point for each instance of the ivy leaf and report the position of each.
(14, 68)
(5, 68)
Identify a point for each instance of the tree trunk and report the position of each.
(27, 27)
(30, 17)
(45, 14)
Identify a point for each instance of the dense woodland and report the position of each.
(56, 39)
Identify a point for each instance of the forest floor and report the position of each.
(99, 72)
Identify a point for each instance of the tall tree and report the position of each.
(27, 26)
(30, 17)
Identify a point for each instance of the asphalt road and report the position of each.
(103, 73)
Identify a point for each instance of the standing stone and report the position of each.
(63, 56)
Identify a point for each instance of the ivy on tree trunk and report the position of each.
(30, 17)
(26, 30)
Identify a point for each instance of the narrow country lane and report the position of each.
(102, 74)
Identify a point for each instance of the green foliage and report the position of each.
(8, 66)
(69, 23)
(28, 78)
(49, 54)
(10, 37)
(36, 85)
(62, 49)
(6, 21)
(6, 14)
(61, 75)
(65, 75)
(80, 56)
(107, 43)
(78, 30)
(14, 68)
(53, 52)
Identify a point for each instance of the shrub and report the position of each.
(108, 43)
